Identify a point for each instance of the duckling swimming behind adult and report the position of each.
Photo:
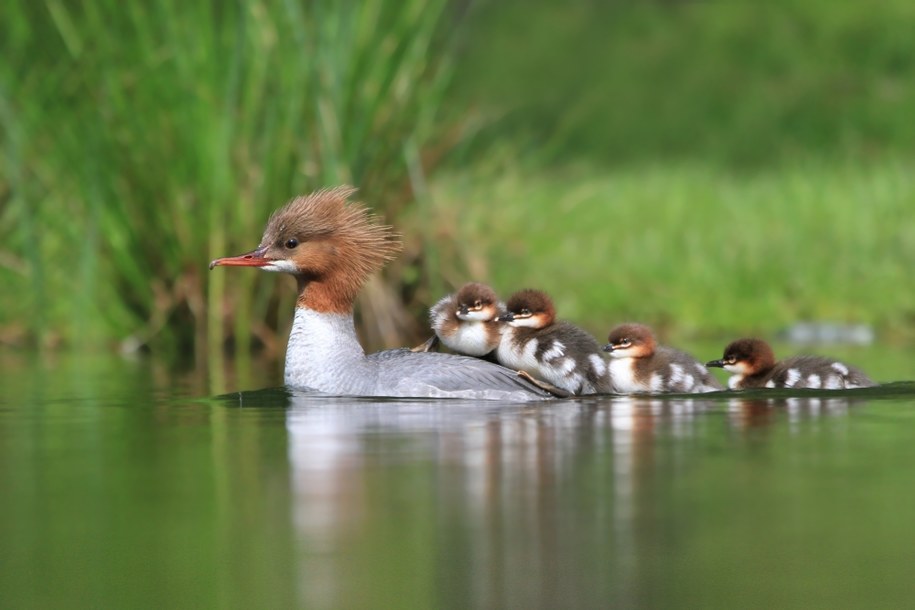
(754, 366)
(639, 365)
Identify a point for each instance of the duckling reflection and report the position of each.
(749, 413)
(758, 412)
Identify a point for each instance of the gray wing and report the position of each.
(692, 375)
(586, 350)
(818, 372)
(448, 375)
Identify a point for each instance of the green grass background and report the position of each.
(712, 169)
(698, 251)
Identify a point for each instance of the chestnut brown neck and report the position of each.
(326, 295)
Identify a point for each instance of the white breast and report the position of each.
(554, 367)
(519, 357)
(471, 338)
(622, 373)
(324, 354)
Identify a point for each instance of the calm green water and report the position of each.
(118, 489)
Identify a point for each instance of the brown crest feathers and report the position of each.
(340, 243)
(755, 352)
(536, 301)
(473, 291)
(328, 212)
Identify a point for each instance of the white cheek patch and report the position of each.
(737, 369)
(626, 352)
(281, 266)
(483, 315)
(792, 378)
(529, 322)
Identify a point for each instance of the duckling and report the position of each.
(639, 365)
(465, 322)
(754, 366)
(548, 349)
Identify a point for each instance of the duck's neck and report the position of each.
(324, 354)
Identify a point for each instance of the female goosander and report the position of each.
(465, 321)
(638, 364)
(753, 364)
(331, 246)
(554, 351)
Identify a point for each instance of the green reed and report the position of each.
(142, 140)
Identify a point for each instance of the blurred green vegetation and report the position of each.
(695, 250)
(142, 140)
(732, 167)
(710, 168)
(736, 83)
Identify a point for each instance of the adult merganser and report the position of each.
(638, 364)
(331, 246)
(753, 364)
(465, 321)
(552, 350)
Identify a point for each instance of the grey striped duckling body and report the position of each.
(639, 365)
(552, 350)
(753, 365)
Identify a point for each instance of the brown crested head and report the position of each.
(475, 295)
(330, 244)
(755, 354)
(533, 305)
(637, 337)
(475, 301)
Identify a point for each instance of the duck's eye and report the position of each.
(525, 312)
(625, 343)
(477, 304)
(292, 243)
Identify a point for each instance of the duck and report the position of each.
(465, 321)
(639, 365)
(753, 365)
(554, 351)
(331, 245)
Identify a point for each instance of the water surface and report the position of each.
(120, 489)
